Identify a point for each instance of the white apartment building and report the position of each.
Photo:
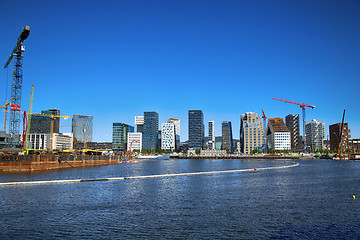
(134, 141)
(211, 135)
(278, 135)
(41, 141)
(315, 134)
(168, 136)
(176, 123)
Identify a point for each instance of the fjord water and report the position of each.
(311, 201)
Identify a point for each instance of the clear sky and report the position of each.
(116, 59)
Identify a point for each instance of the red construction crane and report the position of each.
(302, 106)
(264, 118)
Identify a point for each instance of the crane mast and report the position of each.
(302, 106)
(265, 136)
(16, 87)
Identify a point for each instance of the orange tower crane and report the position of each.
(5, 113)
(302, 106)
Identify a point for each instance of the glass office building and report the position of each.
(196, 129)
(82, 127)
(150, 130)
(120, 136)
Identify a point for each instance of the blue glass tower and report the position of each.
(196, 129)
(150, 130)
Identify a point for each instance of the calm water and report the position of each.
(311, 201)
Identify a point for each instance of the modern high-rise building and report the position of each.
(251, 133)
(139, 121)
(168, 136)
(150, 130)
(335, 133)
(120, 134)
(134, 141)
(176, 123)
(278, 135)
(41, 124)
(196, 129)
(227, 137)
(212, 135)
(293, 124)
(82, 127)
(315, 134)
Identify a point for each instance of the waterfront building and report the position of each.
(176, 123)
(251, 133)
(278, 135)
(150, 130)
(227, 137)
(196, 129)
(134, 141)
(139, 121)
(315, 134)
(42, 124)
(60, 141)
(334, 133)
(213, 152)
(211, 141)
(168, 136)
(119, 136)
(293, 124)
(218, 145)
(82, 127)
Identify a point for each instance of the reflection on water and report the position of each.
(313, 200)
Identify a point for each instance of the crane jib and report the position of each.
(23, 35)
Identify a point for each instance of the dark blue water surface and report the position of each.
(311, 201)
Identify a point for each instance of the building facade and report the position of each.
(42, 124)
(139, 121)
(119, 136)
(196, 129)
(293, 124)
(82, 127)
(315, 134)
(335, 133)
(168, 136)
(134, 141)
(251, 133)
(150, 130)
(278, 135)
(211, 141)
(41, 141)
(176, 123)
(227, 137)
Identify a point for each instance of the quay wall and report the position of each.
(31, 163)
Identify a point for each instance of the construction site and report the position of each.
(20, 150)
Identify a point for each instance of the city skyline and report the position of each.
(119, 59)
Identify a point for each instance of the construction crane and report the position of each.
(51, 125)
(302, 106)
(341, 137)
(16, 89)
(135, 140)
(5, 113)
(29, 118)
(265, 135)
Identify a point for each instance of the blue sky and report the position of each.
(116, 59)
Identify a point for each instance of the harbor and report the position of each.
(188, 198)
